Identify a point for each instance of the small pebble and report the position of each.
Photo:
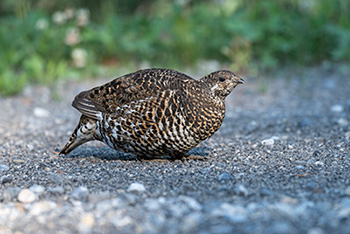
(347, 135)
(311, 185)
(122, 221)
(225, 177)
(269, 141)
(192, 203)
(337, 108)
(234, 213)
(41, 112)
(280, 227)
(38, 189)
(315, 230)
(10, 194)
(285, 209)
(5, 179)
(42, 206)
(191, 222)
(241, 190)
(56, 190)
(30, 147)
(316, 153)
(17, 161)
(344, 213)
(343, 122)
(152, 204)
(80, 193)
(347, 191)
(87, 220)
(3, 167)
(289, 200)
(306, 122)
(26, 196)
(136, 188)
(266, 192)
(319, 163)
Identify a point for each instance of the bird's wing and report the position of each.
(86, 106)
(130, 88)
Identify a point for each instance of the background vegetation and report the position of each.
(45, 40)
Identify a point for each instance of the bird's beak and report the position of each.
(240, 81)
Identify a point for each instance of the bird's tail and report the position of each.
(84, 132)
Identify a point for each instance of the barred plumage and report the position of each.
(153, 112)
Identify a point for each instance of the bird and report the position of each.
(153, 113)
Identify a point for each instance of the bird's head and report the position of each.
(222, 82)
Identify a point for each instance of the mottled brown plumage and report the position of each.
(153, 112)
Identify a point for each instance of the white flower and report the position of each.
(307, 5)
(69, 13)
(182, 2)
(72, 36)
(59, 17)
(41, 24)
(79, 57)
(83, 16)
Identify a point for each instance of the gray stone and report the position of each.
(224, 177)
(37, 189)
(337, 108)
(3, 167)
(80, 193)
(87, 221)
(234, 213)
(42, 207)
(284, 210)
(191, 203)
(10, 194)
(5, 179)
(281, 227)
(343, 122)
(241, 190)
(344, 213)
(176, 209)
(347, 135)
(347, 191)
(136, 188)
(121, 220)
(266, 192)
(311, 185)
(191, 222)
(315, 230)
(56, 190)
(152, 204)
(41, 112)
(269, 141)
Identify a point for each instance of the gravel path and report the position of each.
(279, 164)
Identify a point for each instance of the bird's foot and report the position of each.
(148, 159)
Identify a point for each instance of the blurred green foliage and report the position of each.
(44, 40)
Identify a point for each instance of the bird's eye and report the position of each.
(222, 79)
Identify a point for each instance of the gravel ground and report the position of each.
(279, 164)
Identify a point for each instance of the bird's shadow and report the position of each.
(106, 153)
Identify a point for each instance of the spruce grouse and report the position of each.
(153, 112)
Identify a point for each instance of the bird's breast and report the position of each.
(168, 123)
